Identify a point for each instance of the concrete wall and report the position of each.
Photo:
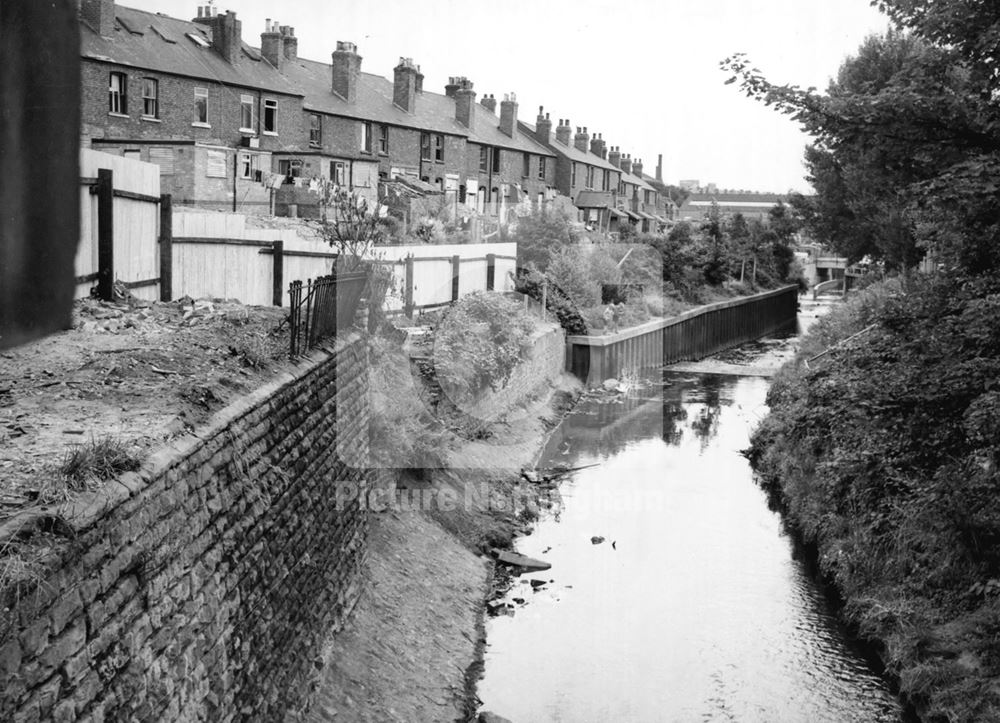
(202, 587)
(544, 363)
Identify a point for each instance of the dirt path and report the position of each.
(406, 649)
(403, 653)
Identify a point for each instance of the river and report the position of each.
(696, 605)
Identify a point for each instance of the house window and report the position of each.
(541, 167)
(483, 158)
(606, 182)
(366, 137)
(572, 175)
(246, 113)
(439, 148)
(383, 140)
(526, 161)
(150, 98)
(201, 106)
(270, 116)
(496, 160)
(117, 98)
(250, 166)
(338, 172)
(425, 146)
(290, 168)
(315, 129)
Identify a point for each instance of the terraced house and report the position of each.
(255, 129)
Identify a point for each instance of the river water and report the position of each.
(695, 607)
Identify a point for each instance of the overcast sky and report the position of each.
(642, 72)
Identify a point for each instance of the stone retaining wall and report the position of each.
(202, 587)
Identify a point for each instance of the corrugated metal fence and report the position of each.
(694, 334)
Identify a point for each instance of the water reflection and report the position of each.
(698, 611)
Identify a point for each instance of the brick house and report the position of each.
(397, 128)
(583, 172)
(189, 96)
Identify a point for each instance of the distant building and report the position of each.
(751, 205)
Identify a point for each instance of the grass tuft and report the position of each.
(96, 461)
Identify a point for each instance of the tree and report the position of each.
(352, 228)
(906, 118)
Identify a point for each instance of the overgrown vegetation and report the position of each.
(884, 449)
(479, 342)
(651, 275)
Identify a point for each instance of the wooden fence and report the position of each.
(217, 254)
(692, 335)
(119, 226)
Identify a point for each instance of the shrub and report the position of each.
(479, 342)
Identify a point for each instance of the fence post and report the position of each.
(491, 271)
(278, 272)
(105, 234)
(408, 291)
(456, 269)
(166, 247)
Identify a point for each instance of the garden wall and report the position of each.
(203, 586)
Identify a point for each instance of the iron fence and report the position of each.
(322, 306)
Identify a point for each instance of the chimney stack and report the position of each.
(100, 15)
(626, 163)
(637, 168)
(404, 85)
(346, 69)
(659, 168)
(465, 102)
(597, 145)
(508, 115)
(543, 127)
(227, 32)
(563, 131)
(490, 103)
(291, 43)
(452, 86)
(582, 139)
(272, 44)
(420, 81)
(615, 157)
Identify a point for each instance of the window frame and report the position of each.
(121, 94)
(438, 146)
(269, 120)
(315, 130)
(484, 159)
(526, 165)
(150, 100)
(425, 146)
(249, 165)
(247, 103)
(572, 174)
(383, 139)
(496, 159)
(541, 167)
(201, 107)
(338, 172)
(366, 136)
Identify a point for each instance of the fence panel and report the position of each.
(136, 224)
(225, 270)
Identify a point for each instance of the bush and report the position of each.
(479, 342)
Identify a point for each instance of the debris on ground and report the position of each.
(133, 371)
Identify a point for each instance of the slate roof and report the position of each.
(156, 42)
(571, 152)
(433, 111)
(636, 181)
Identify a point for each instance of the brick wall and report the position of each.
(544, 363)
(202, 587)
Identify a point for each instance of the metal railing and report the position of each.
(322, 306)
